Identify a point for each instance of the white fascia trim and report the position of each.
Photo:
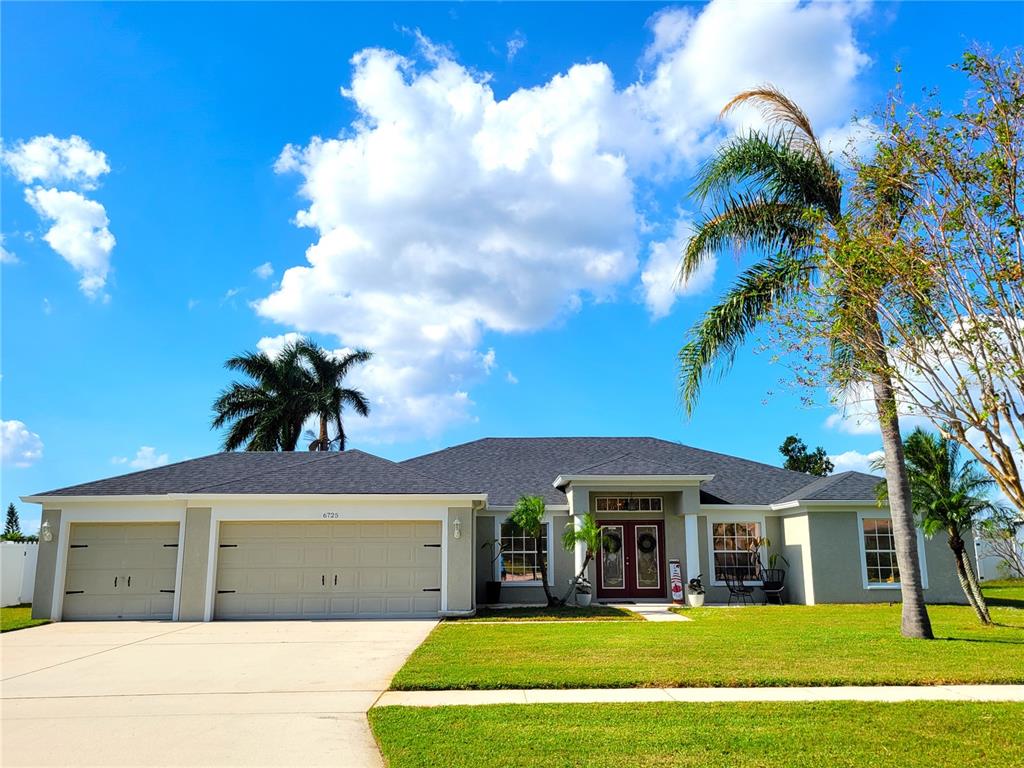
(190, 498)
(844, 504)
(639, 480)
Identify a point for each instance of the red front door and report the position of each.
(631, 563)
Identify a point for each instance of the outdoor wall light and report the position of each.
(457, 529)
(46, 532)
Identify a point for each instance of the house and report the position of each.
(316, 535)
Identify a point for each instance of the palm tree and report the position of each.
(267, 413)
(591, 536)
(948, 494)
(774, 191)
(329, 396)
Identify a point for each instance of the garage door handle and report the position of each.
(434, 589)
(323, 580)
(129, 581)
(335, 579)
(115, 582)
(75, 592)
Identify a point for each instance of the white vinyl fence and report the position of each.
(17, 571)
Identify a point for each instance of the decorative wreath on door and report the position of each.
(646, 543)
(611, 543)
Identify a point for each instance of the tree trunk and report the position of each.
(323, 442)
(957, 545)
(915, 622)
(963, 564)
(543, 555)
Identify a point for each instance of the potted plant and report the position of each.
(583, 594)
(695, 592)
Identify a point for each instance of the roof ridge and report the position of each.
(318, 456)
(647, 459)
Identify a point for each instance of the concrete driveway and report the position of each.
(217, 694)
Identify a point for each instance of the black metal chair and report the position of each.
(737, 589)
(772, 584)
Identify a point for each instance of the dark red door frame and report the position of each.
(630, 588)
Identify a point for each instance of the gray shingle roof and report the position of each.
(351, 471)
(845, 486)
(503, 468)
(508, 468)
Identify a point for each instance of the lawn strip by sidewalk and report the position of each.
(796, 735)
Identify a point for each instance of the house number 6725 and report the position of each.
(332, 515)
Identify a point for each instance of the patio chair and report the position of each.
(772, 584)
(737, 589)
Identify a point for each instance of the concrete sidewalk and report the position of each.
(636, 695)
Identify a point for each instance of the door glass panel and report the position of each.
(613, 572)
(648, 567)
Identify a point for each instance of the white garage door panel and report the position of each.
(328, 569)
(121, 571)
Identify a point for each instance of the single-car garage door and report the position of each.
(121, 571)
(328, 570)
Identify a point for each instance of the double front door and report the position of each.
(631, 561)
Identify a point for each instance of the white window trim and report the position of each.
(879, 515)
(496, 570)
(734, 518)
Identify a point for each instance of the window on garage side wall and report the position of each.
(520, 559)
(879, 551)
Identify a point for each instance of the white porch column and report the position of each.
(692, 548)
(578, 504)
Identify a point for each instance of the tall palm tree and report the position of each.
(267, 413)
(773, 191)
(329, 396)
(948, 494)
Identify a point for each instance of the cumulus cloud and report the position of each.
(855, 461)
(79, 234)
(443, 213)
(659, 276)
(264, 270)
(19, 446)
(50, 160)
(145, 458)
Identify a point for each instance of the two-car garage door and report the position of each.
(332, 569)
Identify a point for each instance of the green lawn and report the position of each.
(795, 735)
(562, 613)
(18, 617)
(758, 646)
(1005, 592)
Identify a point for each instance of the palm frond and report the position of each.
(777, 108)
(724, 327)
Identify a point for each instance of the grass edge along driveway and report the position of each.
(18, 617)
(796, 735)
(759, 646)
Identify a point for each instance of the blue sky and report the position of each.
(493, 205)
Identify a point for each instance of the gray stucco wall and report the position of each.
(837, 575)
(194, 563)
(46, 566)
(794, 543)
(460, 560)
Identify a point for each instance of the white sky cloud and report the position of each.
(855, 461)
(515, 44)
(6, 256)
(658, 277)
(19, 446)
(145, 458)
(50, 160)
(264, 270)
(79, 234)
(444, 213)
